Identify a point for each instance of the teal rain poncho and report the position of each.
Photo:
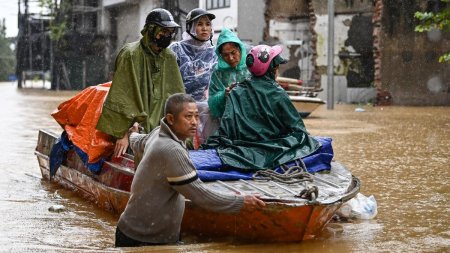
(224, 75)
(141, 84)
(260, 128)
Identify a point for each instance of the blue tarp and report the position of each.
(59, 153)
(210, 167)
(207, 162)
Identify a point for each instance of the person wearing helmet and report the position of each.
(230, 69)
(260, 127)
(146, 74)
(195, 53)
(196, 59)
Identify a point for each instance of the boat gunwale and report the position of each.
(355, 186)
(101, 184)
(306, 99)
(351, 191)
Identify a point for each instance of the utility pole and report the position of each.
(30, 49)
(330, 67)
(43, 53)
(19, 66)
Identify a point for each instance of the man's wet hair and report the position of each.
(175, 103)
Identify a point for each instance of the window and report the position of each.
(217, 4)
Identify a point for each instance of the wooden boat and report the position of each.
(306, 105)
(302, 96)
(285, 218)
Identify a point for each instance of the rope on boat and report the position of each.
(289, 175)
(292, 175)
(311, 192)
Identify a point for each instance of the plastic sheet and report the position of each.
(79, 116)
(359, 207)
(210, 167)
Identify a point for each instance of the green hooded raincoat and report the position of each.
(224, 74)
(260, 127)
(141, 84)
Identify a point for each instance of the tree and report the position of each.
(7, 58)
(435, 20)
(58, 25)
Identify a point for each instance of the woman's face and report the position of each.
(203, 29)
(231, 54)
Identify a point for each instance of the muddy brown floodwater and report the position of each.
(401, 155)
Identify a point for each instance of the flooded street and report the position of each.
(400, 154)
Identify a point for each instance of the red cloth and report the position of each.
(79, 116)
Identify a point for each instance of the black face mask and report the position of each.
(163, 41)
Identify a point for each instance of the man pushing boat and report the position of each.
(165, 176)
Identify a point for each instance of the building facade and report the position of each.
(378, 57)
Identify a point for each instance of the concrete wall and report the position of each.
(288, 24)
(251, 22)
(343, 6)
(246, 18)
(353, 45)
(145, 6)
(128, 24)
(295, 36)
(410, 70)
(186, 6)
(126, 19)
(225, 17)
(341, 27)
(411, 73)
(343, 94)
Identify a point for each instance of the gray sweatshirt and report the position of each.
(163, 178)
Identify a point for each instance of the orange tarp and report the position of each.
(79, 116)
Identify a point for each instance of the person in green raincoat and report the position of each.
(230, 69)
(260, 127)
(146, 74)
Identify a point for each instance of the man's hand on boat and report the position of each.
(253, 201)
(122, 144)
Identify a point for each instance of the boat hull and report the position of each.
(107, 198)
(277, 222)
(306, 105)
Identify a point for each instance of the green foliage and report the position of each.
(57, 30)
(439, 20)
(57, 24)
(7, 58)
(445, 58)
(49, 4)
